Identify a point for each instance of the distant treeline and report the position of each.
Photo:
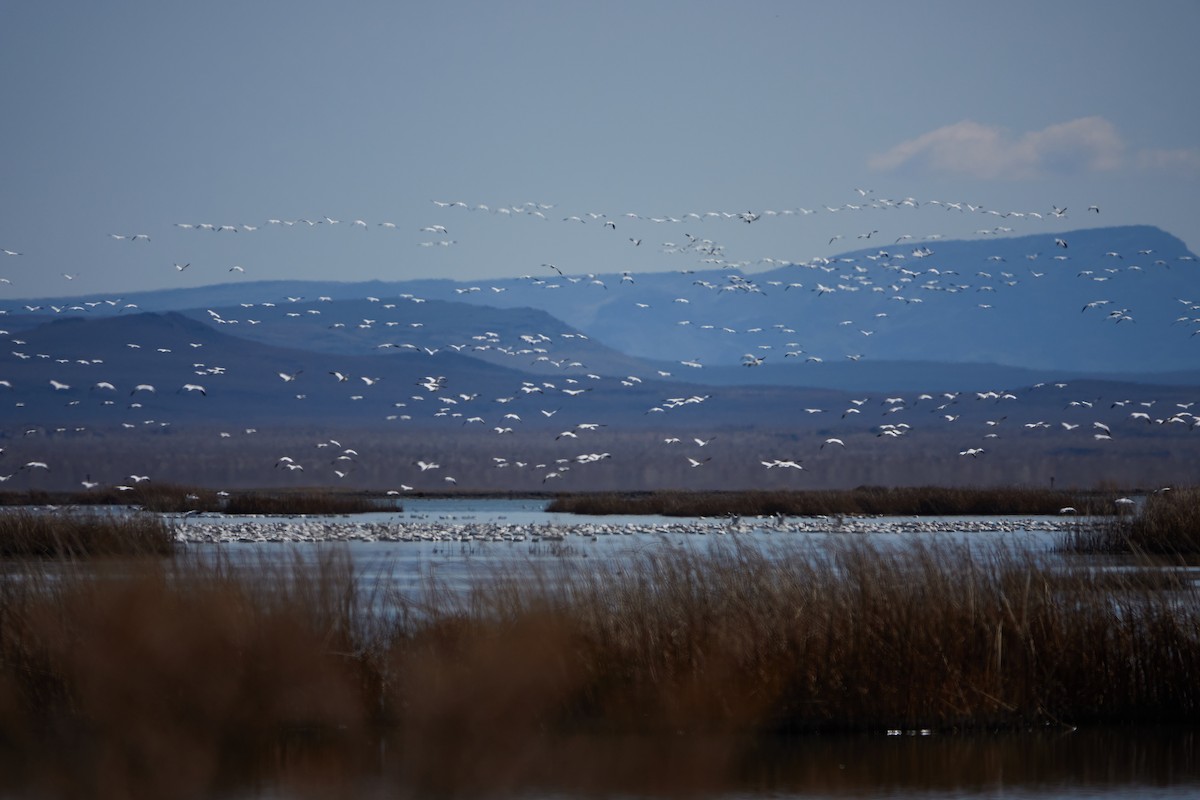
(864, 500)
(169, 498)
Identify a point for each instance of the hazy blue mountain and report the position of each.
(98, 363)
(1022, 347)
(70, 396)
(85, 372)
(1117, 303)
(522, 338)
(1016, 302)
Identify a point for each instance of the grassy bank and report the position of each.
(179, 674)
(865, 500)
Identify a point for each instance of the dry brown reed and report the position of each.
(182, 676)
(864, 500)
(1167, 523)
(159, 679)
(74, 534)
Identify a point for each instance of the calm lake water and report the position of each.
(461, 555)
(911, 765)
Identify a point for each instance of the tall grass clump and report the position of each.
(170, 678)
(864, 500)
(191, 673)
(1166, 524)
(32, 533)
(944, 637)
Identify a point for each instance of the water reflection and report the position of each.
(461, 556)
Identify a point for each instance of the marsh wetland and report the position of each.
(706, 656)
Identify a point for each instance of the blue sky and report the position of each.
(130, 117)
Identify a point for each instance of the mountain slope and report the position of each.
(1114, 302)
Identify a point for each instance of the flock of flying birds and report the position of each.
(893, 274)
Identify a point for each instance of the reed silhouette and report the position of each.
(1167, 524)
(194, 674)
(80, 534)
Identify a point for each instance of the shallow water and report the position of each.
(459, 542)
(532, 512)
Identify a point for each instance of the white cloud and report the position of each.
(1184, 160)
(1088, 144)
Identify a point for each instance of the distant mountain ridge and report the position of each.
(1117, 303)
